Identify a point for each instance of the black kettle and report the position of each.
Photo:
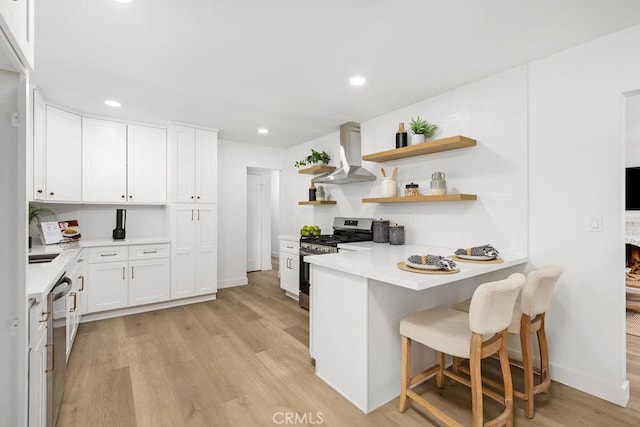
(120, 232)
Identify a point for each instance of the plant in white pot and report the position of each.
(421, 130)
(314, 157)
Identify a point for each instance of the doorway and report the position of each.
(263, 217)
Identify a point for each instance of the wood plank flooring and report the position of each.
(243, 361)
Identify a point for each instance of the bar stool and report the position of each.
(528, 317)
(480, 333)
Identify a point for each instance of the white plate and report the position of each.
(476, 257)
(70, 235)
(421, 266)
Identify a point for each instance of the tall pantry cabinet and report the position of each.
(193, 160)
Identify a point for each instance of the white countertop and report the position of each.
(380, 261)
(289, 237)
(42, 277)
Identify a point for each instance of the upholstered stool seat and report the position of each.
(480, 333)
(528, 318)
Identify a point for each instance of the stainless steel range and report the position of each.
(345, 230)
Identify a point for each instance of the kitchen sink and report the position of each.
(42, 258)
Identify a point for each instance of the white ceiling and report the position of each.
(284, 64)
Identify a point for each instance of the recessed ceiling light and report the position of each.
(357, 81)
(263, 131)
(112, 103)
(124, 1)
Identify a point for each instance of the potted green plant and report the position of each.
(421, 130)
(314, 157)
(36, 215)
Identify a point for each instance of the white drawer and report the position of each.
(108, 254)
(149, 251)
(289, 247)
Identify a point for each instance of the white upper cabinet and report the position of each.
(39, 123)
(147, 164)
(206, 166)
(194, 165)
(123, 163)
(104, 161)
(63, 156)
(16, 21)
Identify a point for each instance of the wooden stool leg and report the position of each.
(476, 379)
(506, 377)
(527, 364)
(455, 368)
(406, 373)
(545, 379)
(440, 375)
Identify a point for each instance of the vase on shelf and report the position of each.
(388, 187)
(417, 138)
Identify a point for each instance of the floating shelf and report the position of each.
(444, 144)
(313, 170)
(318, 202)
(443, 198)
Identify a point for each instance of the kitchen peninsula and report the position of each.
(359, 296)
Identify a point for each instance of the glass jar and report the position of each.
(411, 190)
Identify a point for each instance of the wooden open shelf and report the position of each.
(313, 170)
(443, 198)
(318, 202)
(444, 144)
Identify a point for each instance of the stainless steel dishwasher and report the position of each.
(57, 335)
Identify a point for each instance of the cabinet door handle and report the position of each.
(123, 276)
(82, 280)
(80, 260)
(191, 197)
(122, 196)
(130, 196)
(198, 197)
(53, 357)
(150, 252)
(39, 191)
(198, 214)
(75, 302)
(290, 247)
(46, 316)
(113, 254)
(52, 193)
(132, 267)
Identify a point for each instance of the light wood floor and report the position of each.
(243, 361)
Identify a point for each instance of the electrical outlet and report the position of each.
(595, 223)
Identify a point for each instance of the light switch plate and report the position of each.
(595, 223)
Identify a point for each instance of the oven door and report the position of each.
(305, 279)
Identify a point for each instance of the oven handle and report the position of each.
(305, 253)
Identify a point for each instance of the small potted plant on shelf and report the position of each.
(36, 215)
(314, 157)
(421, 130)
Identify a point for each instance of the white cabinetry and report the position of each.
(39, 129)
(290, 267)
(104, 161)
(194, 165)
(16, 21)
(121, 276)
(146, 164)
(123, 163)
(194, 250)
(75, 299)
(38, 364)
(63, 156)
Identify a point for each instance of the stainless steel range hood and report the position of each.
(350, 169)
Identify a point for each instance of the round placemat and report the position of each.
(402, 266)
(491, 261)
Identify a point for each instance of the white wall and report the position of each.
(233, 159)
(275, 212)
(493, 111)
(576, 163)
(632, 131)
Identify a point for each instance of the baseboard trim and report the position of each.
(91, 317)
(230, 283)
(614, 393)
(267, 267)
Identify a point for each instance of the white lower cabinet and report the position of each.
(121, 276)
(75, 299)
(290, 267)
(194, 250)
(38, 364)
